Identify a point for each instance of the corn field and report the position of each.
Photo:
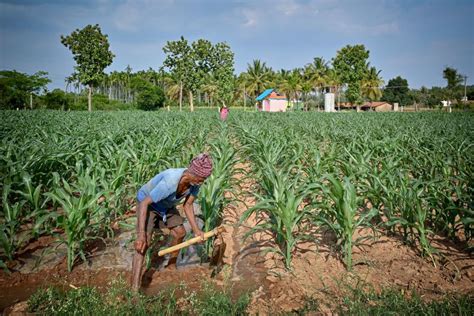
(72, 175)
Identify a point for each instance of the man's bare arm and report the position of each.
(140, 244)
(189, 211)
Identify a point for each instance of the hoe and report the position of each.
(216, 258)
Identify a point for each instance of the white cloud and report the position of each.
(127, 17)
(250, 17)
(289, 7)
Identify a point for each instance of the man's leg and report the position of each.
(177, 233)
(137, 262)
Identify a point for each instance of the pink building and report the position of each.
(271, 101)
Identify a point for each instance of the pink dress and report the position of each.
(224, 113)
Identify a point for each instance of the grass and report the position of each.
(392, 302)
(118, 299)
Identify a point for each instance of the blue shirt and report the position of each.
(162, 190)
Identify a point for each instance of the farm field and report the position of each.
(316, 206)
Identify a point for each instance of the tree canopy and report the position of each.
(90, 49)
(193, 63)
(350, 64)
(397, 91)
(16, 87)
(150, 98)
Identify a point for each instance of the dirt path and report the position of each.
(248, 271)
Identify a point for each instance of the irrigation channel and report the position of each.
(274, 189)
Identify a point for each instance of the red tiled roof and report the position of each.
(366, 104)
(374, 104)
(275, 95)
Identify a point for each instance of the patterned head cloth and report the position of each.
(201, 165)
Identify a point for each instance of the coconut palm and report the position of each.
(333, 80)
(318, 73)
(172, 87)
(371, 84)
(241, 89)
(210, 88)
(258, 76)
(291, 83)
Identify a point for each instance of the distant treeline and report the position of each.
(201, 73)
(121, 91)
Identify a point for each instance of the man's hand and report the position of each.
(199, 233)
(140, 245)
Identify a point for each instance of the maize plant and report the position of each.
(212, 197)
(340, 214)
(416, 169)
(413, 211)
(282, 204)
(78, 214)
(33, 197)
(10, 238)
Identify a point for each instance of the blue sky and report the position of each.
(413, 39)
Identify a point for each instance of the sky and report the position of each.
(415, 39)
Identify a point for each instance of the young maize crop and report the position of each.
(409, 173)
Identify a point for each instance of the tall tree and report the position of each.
(291, 84)
(222, 65)
(351, 65)
(194, 63)
(258, 77)
(318, 71)
(90, 49)
(180, 60)
(397, 91)
(210, 88)
(371, 84)
(241, 86)
(333, 80)
(454, 80)
(172, 87)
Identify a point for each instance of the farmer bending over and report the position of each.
(158, 199)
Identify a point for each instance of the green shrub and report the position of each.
(150, 98)
(101, 102)
(57, 100)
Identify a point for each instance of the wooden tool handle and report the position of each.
(191, 241)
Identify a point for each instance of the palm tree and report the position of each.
(210, 88)
(241, 89)
(290, 83)
(371, 84)
(334, 82)
(258, 76)
(306, 88)
(317, 72)
(173, 88)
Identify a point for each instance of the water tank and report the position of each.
(329, 102)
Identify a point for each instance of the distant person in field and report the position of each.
(224, 111)
(157, 202)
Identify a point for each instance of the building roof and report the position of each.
(366, 104)
(270, 94)
(374, 104)
(264, 94)
(277, 96)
